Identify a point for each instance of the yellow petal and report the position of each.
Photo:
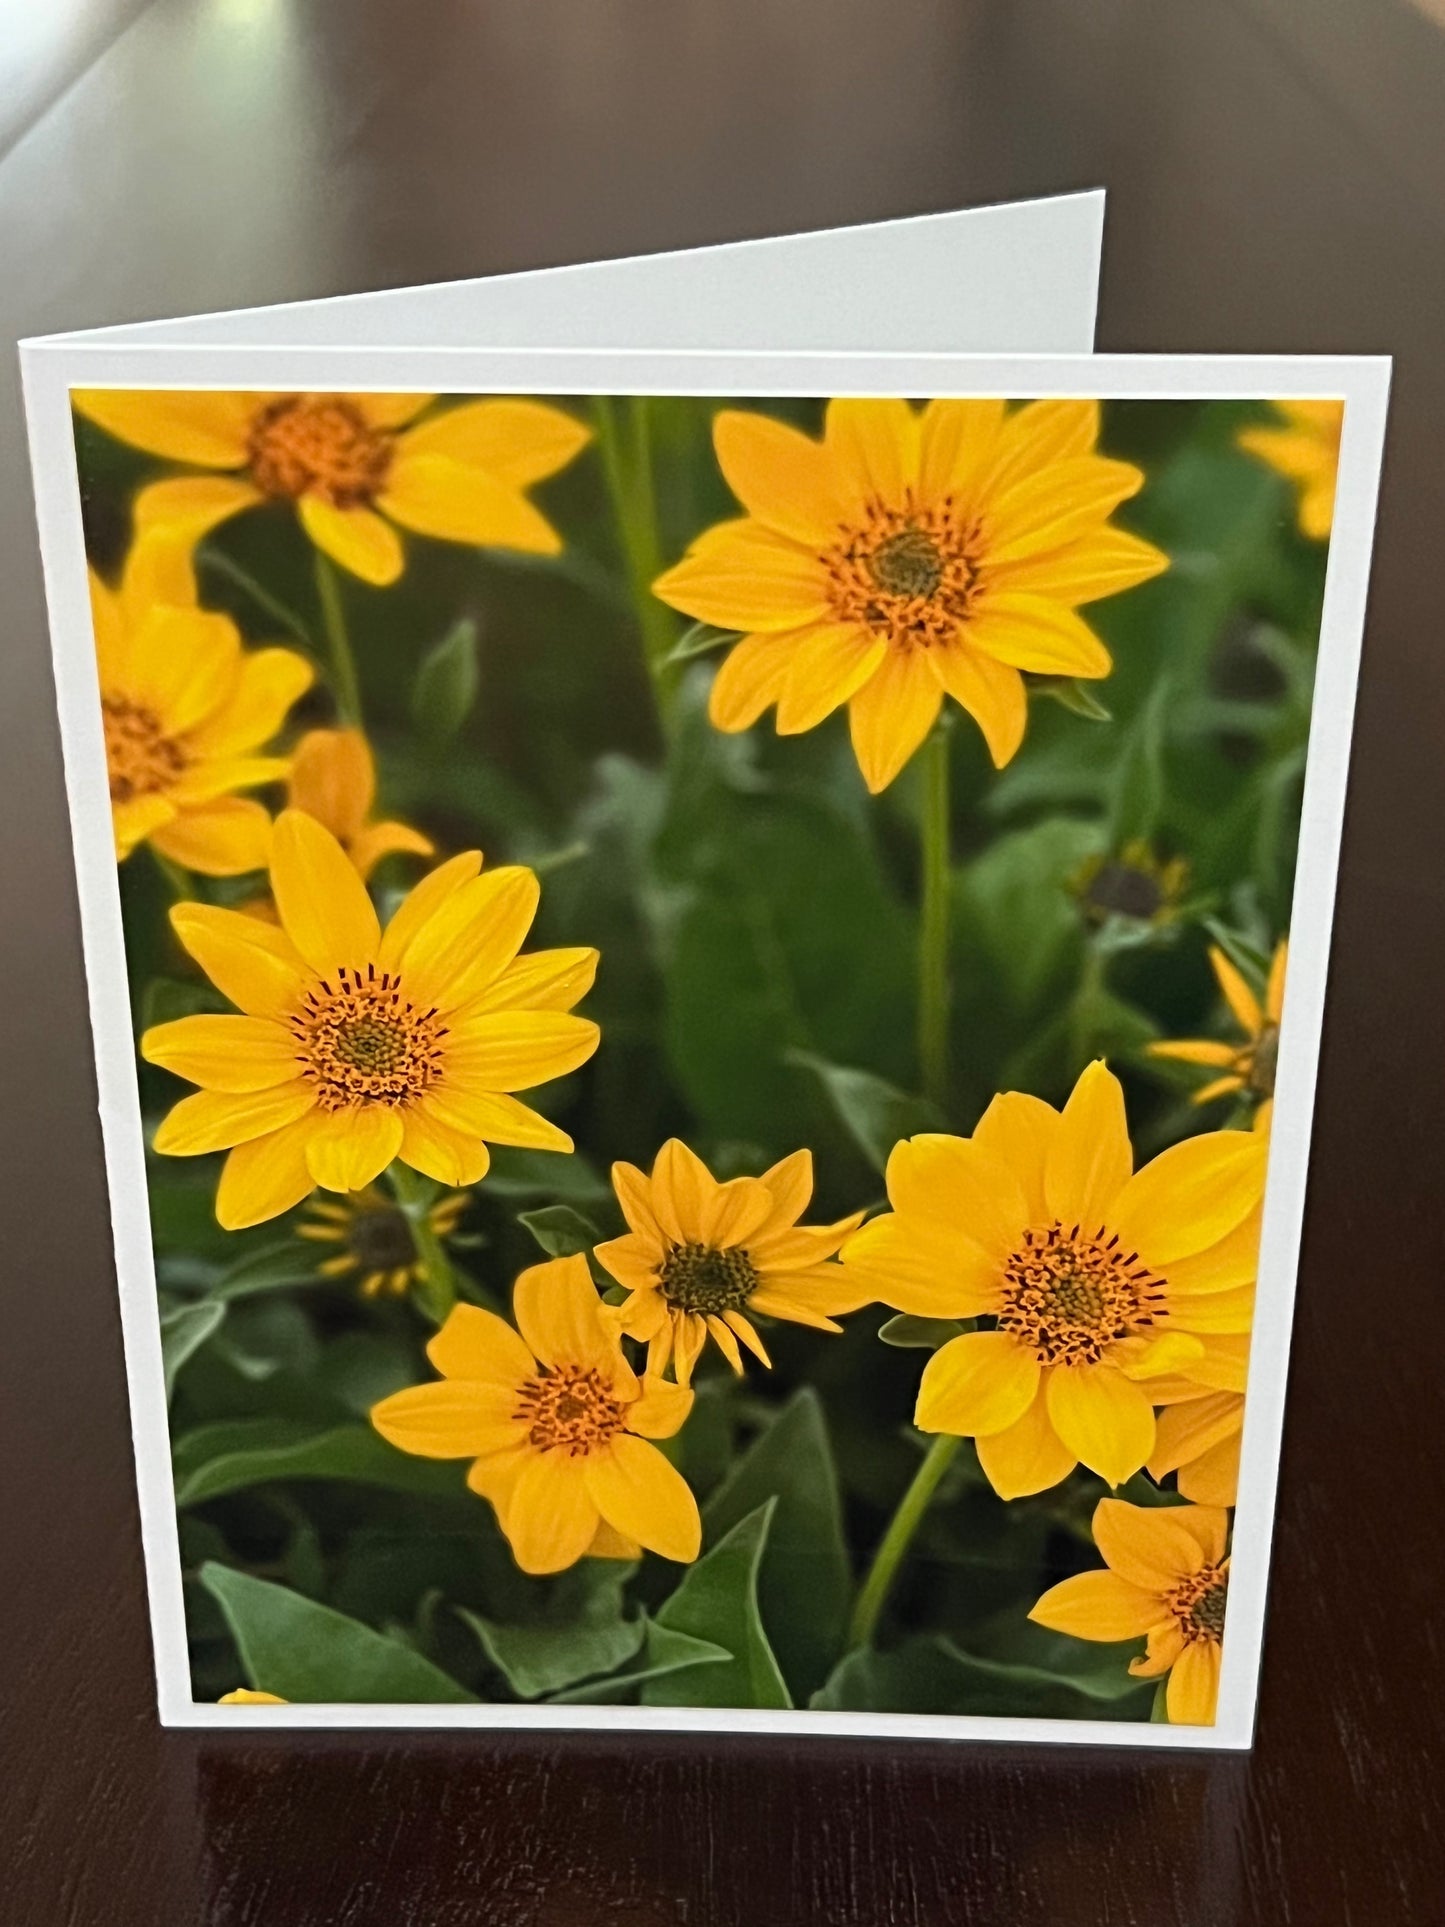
(941, 1274)
(422, 902)
(1017, 1131)
(262, 1179)
(1104, 562)
(560, 1315)
(515, 442)
(494, 1475)
(268, 684)
(451, 1420)
(661, 1411)
(1191, 1195)
(682, 1192)
(1165, 1644)
(1189, 1430)
(890, 716)
(183, 664)
(438, 1151)
(1228, 1313)
(781, 476)
(1091, 1158)
(190, 506)
(216, 1120)
(1097, 1605)
(551, 1517)
(159, 568)
(333, 778)
(133, 822)
(873, 448)
(519, 1049)
(208, 427)
(209, 781)
(1194, 1050)
(1104, 1419)
(1237, 993)
(1027, 1456)
(634, 1194)
(253, 963)
(642, 1496)
(1192, 1694)
(1039, 434)
(1208, 1526)
(982, 1382)
(472, 936)
(497, 1118)
(322, 902)
(243, 1696)
(735, 1212)
(382, 409)
(1274, 990)
(956, 1183)
(1056, 505)
(351, 1147)
(751, 676)
(829, 665)
(379, 840)
(1033, 633)
(609, 1543)
(109, 631)
(1213, 1478)
(958, 439)
(452, 502)
(1146, 1545)
(545, 980)
(476, 1344)
(357, 539)
(223, 1053)
(991, 691)
(1234, 1261)
(742, 575)
(226, 838)
(790, 1184)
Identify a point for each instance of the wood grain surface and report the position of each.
(1276, 171)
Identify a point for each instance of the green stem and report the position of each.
(333, 623)
(933, 984)
(262, 597)
(898, 1537)
(437, 1292)
(626, 452)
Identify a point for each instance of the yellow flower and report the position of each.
(333, 778)
(1201, 1422)
(1250, 1066)
(699, 1256)
(557, 1425)
(354, 465)
(359, 1045)
(1095, 1278)
(1166, 1577)
(1305, 449)
(186, 710)
(243, 1696)
(904, 558)
(376, 1238)
(1136, 885)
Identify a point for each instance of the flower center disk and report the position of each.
(1199, 1602)
(141, 758)
(1069, 1297)
(381, 1240)
(568, 1409)
(361, 1041)
(318, 445)
(904, 574)
(704, 1278)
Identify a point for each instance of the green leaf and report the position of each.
(542, 1174)
(300, 1651)
(804, 1580)
(874, 1112)
(446, 683)
(1077, 697)
(270, 1269)
(700, 640)
(575, 1631)
(183, 1331)
(718, 1601)
(232, 1454)
(1139, 787)
(920, 1334)
(664, 1651)
(930, 1674)
(560, 1230)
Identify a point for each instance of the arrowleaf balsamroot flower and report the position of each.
(1166, 1577)
(700, 1256)
(1304, 447)
(378, 1246)
(1094, 1278)
(357, 467)
(186, 712)
(333, 778)
(557, 1424)
(1250, 1066)
(358, 1045)
(1202, 1421)
(905, 558)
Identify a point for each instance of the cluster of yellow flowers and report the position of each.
(1103, 1313)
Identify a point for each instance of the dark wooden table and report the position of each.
(1276, 171)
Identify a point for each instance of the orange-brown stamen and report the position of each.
(1198, 1603)
(361, 1040)
(1068, 1295)
(141, 757)
(905, 573)
(318, 445)
(568, 1408)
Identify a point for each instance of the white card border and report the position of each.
(51, 368)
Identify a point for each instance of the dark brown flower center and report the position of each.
(1069, 1297)
(379, 1239)
(141, 757)
(570, 1409)
(1119, 890)
(318, 445)
(1198, 1603)
(361, 1041)
(704, 1278)
(906, 574)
